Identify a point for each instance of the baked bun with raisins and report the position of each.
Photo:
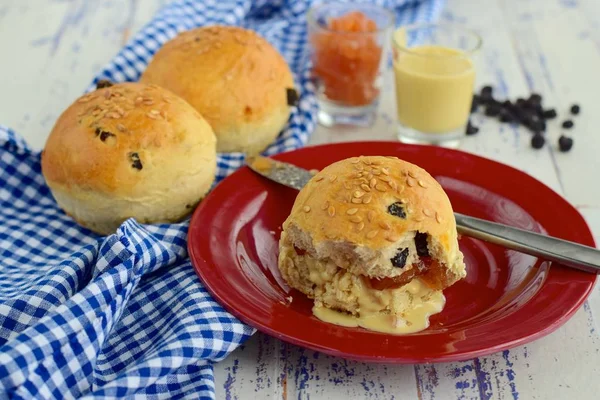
(236, 79)
(376, 222)
(129, 150)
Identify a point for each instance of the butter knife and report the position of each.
(549, 248)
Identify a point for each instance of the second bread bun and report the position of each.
(377, 217)
(234, 78)
(129, 151)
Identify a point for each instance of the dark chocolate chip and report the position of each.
(103, 83)
(549, 114)
(575, 109)
(399, 260)
(135, 161)
(506, 116)
(535, 99)
(487, 92)
(520, 102)
(421, 244)
(537, 141)
(537, 125)
(397, 210)
(507, 104)
(292, 96)
(471, 129)
(105, 135)
(493, 110)
(568, 124)
(565, 143)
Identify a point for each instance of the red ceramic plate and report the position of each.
(507, 299)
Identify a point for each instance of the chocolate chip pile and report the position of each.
(529, 113)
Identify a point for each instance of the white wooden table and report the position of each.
(52, 49)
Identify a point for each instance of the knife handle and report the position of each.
(567, 253)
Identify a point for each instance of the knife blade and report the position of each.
(567, 253)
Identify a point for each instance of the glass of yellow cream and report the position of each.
(434, 77)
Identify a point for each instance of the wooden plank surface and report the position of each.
(53, 48)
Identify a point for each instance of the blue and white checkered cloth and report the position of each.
(122, 315)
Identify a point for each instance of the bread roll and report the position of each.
(234, 78)
(364, 228)
(129, 150)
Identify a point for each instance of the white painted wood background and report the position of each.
(50, 50)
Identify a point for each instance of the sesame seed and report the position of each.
(393, 185)
(120, 110)
(332, 178)
(376, 162)
(366, 162)
(373, 182)
(356, 201)
(384, 225)
(369, 176)
(148, 102)
(354, 161)
(358, 194)
(106, 102)
(438, 218)
(360, 226)
(370, 215)
(96, 112)
(155, 112)
(167, 100)
(419, 218)
(391, 238)
(359, 167)
(355, 219)
(400, 189)
(360, 174)
(347, 185)
(412, 174)
(85, 99)
(330, 235)
(306, 208)
(331, 211)
(380, 187)
(367, 199)
(113, 115)
(372, 234)
(410, 182)
(427, 212)
(325, 206)
(319, 178)
(138, 101)
(107, 94)
(150, 115)
(385, 171)
(163, 114)
(121, 127)
(422, 184)
(376, 171)
(352, 211)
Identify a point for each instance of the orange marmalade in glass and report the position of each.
(347, 58)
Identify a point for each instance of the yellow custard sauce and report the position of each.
(416, 303)
(434, 88)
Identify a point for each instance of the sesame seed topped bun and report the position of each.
(129, 150)
(376, 222)
(238, 81)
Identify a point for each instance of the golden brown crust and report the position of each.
(130, 150)
(343, 213)
(233, 77)
(335, 212)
